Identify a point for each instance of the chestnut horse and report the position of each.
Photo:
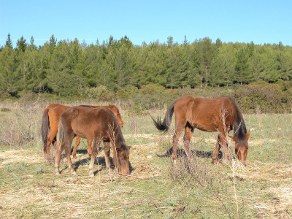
(212, 115)
(95, 124)
(50, 122)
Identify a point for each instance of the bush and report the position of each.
(263, 98)
(99, 93)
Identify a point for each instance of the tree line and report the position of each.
(68, 68)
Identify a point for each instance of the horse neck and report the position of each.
(239, 125)
(119, 138)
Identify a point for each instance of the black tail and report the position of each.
(45, 129)
(165, 124)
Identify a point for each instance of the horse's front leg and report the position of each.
(216, 150)
(222, 142)
(89, 149)
(107, 154)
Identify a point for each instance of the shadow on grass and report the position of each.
(181, 153)
(98, 161)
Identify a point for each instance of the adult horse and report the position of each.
(96, 125)
(50, 122)
(212, 115)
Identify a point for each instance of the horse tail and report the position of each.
(45, 129)
(60, 134)
(165, 124)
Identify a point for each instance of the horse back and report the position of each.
(183, 107)
(89, 121)
(212, 114)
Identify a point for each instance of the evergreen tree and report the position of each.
(8, 42)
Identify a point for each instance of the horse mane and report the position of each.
(115, 130)
(239, 127)
(119, 138)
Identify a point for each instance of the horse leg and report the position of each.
(187, 140)
(225, 151)
(77, 142)
(59, 148)
(51, 138)
(175, 142)
(107, 154)
(216, 150)
(48, 155)
(68, 153)
(92, 156)
(89, 142)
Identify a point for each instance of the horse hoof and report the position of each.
(74, 173)
(57, 172)
(225, 162)
(91, 174)
(215, 161)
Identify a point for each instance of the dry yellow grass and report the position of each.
(30, 189)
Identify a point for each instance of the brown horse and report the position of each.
(212, 115)
(96, 125)
(50, 122)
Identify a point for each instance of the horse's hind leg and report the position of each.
(77, 142)
(59, 148)
(176, 135)
(187, 140)
(68, 153)
(52, 138)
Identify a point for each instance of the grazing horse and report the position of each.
(96, 125)
(212, 115)
(50, 122)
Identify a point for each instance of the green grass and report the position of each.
(30, 189)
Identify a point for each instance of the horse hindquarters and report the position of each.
(64, 141)
(45, 131)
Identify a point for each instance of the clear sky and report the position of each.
(260, 21)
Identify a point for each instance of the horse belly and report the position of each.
(206, 128)
(206, 125)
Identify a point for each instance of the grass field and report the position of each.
(155, 189)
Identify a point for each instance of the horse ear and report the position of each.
(247, 135)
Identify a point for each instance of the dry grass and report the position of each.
(155, 189)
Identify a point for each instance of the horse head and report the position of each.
(123, 159)
(241, 147)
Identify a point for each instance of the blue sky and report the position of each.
(260, 21)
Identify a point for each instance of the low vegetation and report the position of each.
(155, 189)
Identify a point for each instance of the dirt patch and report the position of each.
(265, 171)
(18, 156)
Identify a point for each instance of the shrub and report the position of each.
(263, 98)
